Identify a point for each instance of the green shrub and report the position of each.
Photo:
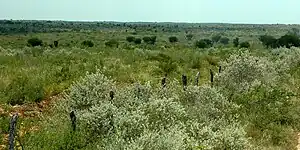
(224, 40)
(289, 41)
(130, 39)
(137, 41)
(99, 87)
(87, 43)
(242, 71)
(204, 43)
(269, 41)
(173, 39)
(255, 83)
(149, 39)
(245, 45)
(189, 37)
(35, 42)
(22, 89)
(112, 43)
(236, 42)
(55, 43)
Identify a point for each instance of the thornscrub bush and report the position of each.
(88, 43)
(207, 102)
(243, 71)
(35, 42)
(149, 40)
(140, 117)
(22, 89)
(137, 41)
(236, 42)
(224, 40)
(130, 39)
(269, 41)
(245, 45)
(173, 39)
(112, 43)
(204, 43)
(55, 43)
(90, 91)
(189, 37)
(164, 113)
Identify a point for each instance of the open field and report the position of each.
(252, 102)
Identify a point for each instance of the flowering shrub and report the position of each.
(243, 72)
(89, 91)
(207, 103)
(143, 117)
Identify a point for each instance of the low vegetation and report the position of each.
(126, 85)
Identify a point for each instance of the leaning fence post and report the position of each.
(73, 120)
(197, 78)
(211, 77)
(184, 81)
(12, 131)
(163, 82)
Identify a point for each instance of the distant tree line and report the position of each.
(289, 40)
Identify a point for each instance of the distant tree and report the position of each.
(35, 42)
(203, 43)
(173, 39)
(112, 43)
(55, 43)
(224, 40)
(130, 39)
(269, 41)
(245, 45)
(189, 36)
(236, 42)
(289, 40)
(87, 43)
(216, 38)
(137, 41)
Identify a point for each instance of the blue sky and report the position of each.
(200, 11)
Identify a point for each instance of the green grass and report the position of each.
(30, 75)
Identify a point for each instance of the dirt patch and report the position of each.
(25, 111)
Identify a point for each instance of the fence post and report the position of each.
(184, 82)
(220, 69)
(73, 119)
(12, 131)
(211, 77)
(111, 95)
(197, 78)
(163, 82)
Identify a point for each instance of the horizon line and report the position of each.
(174, 22)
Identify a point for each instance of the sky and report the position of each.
(193, 11)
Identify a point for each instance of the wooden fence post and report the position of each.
(12, 131)
(163, 82)
(184, 82)
(73, 119)
(220, 69)
(197, 78)
(111, 95)
(211, 77)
